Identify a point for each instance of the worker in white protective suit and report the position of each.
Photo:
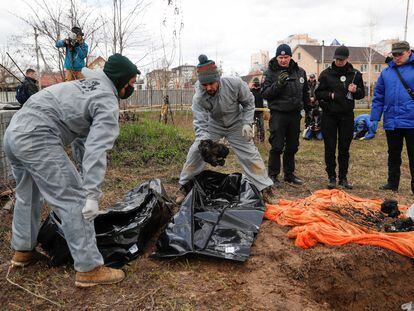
(224, 107)
(34, 144)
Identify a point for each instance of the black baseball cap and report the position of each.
(341, 52)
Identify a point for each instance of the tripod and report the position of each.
(165, 110)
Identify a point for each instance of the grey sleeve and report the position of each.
(246, 99)
(102, 134)
(200, 118)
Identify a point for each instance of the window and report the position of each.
(299, 56)
(364, 68)
(377, 67)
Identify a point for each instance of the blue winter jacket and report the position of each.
(370, 126)
(78, 54)
(392, 99)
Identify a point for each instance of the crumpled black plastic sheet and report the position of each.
(122, 232)
(220, 217)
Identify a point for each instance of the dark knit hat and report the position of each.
(120, 70)
(283, 49)
(341, 52)
(207, 70)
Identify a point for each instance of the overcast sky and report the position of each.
(231, 30)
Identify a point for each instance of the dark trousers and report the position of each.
(395, 141)
(337, 129)
(258, 116)
(284, 138)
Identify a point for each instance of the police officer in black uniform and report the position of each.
(286, 90)
(339, 86)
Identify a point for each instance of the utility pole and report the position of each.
(37, 57)
(406, 20)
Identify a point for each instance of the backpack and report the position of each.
(21, 94)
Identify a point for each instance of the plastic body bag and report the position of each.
(220, 217)
(121, 232)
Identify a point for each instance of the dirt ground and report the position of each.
(278, 275)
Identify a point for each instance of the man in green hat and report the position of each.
(34, 144)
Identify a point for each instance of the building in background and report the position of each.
(259, 61)
(96, 63)
(365, 59)
(159, 79)
(184, 76)
(253, 74)
(384, 46)
(297, 39)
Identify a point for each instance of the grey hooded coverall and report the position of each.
(34, 144)
(223, 115)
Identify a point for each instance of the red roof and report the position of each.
(97, 62)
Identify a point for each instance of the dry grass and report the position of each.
(193, 283)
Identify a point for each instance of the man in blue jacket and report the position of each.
(76, 52)
(396, 102)
(364, 128)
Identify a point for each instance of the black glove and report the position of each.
(213, 153)
(282, 79)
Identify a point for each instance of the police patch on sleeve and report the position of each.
(302, 80)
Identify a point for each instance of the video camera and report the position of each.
(71, 41)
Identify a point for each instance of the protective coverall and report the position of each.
(223, 115)
(34, 144)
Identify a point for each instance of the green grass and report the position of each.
(150, 142)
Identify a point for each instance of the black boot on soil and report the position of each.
(389, 186)
(293, 180)
(331, 183)
(344, 183)
(276, 182)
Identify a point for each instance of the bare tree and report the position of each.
(126, 26)
(54, 21)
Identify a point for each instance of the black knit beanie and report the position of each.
(120, 70)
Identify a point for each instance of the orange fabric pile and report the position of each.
(313, 222)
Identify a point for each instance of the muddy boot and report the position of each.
(389, 186)
(331, 183)
(344, 183)
(269, 195)
(276, 182)
(293, 180)
(98, 276)
(22, 259)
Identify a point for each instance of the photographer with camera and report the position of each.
(286, 90)
(76, 52)
(339, 86)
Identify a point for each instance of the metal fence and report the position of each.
(7, 97)
(5, 172)
(148, 98)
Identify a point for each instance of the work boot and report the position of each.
(276, 182)
(181, 196)
(98, 276)
(389, 186)
(22, 259)
(268, 195)
(293, 180)
(331, 183)
(344, 183)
